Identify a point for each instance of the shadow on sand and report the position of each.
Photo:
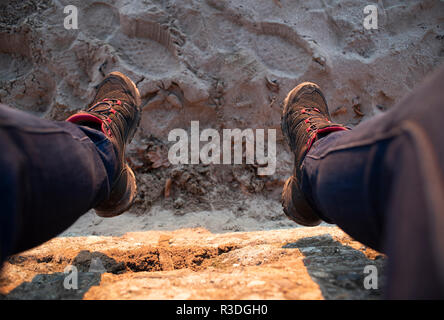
(89, 266)
(339, 269)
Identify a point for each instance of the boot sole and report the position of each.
(296, 206)
(127, 200)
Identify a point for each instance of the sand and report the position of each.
(228, 64)
(297, 263)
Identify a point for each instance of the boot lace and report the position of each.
(105, 109)
(313, 113)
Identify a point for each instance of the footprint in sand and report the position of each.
(147, 48)
(281, 50)
(100, 20)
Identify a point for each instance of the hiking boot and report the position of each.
(116, 112)
(305, 119)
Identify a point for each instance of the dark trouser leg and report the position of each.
(383, 183)
(51, 173)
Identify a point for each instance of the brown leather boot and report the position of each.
(305, 119)
(116, 112)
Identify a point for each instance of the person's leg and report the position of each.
(51, 173)
(382, 183)
(344, 178)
